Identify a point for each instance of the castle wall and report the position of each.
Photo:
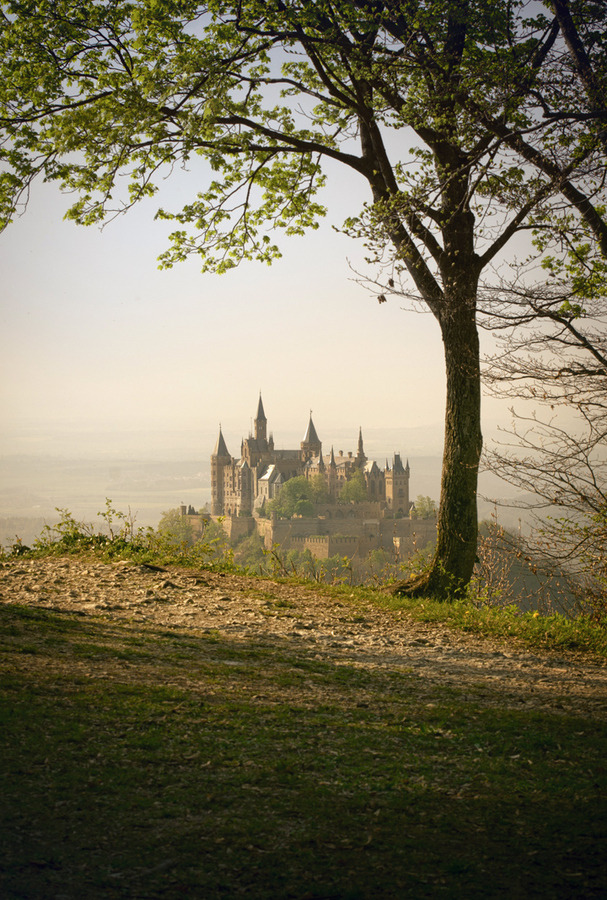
(324, 546)
(322, 536)
(274, 532)
(325, 537)
(236, 527)
(197, 523)
(366, 509)
(410, 535)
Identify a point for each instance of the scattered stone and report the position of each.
(345, 632)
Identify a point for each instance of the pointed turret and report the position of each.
(221, 451)
(360, 454)
(311, 445)
(260, 413)
(310, 437)
(261, 424)
(220, 461)
(398, 466)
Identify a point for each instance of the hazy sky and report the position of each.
(102, 350)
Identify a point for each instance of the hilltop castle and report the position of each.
(243, 486)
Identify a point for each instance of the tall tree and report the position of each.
(267, 92)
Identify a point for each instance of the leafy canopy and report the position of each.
(107, 97)
(354, 490)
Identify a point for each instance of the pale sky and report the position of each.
(101, 350)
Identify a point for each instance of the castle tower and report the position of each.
(220, 458)
(397, 486)
(311, 445)
(261, 425)
(361, 459)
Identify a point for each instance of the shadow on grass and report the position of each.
(142, 762)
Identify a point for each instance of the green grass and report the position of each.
(145, 762)
(554, 632)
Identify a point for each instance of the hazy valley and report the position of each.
(33, 487)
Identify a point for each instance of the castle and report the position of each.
(241, 487)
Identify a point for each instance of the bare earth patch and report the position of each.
(345, 630)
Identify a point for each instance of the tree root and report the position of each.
(418, 586)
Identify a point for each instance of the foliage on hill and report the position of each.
(297, 497)
(354, 490)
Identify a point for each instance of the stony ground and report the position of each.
(346, 630)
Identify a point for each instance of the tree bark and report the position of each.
(458, 517)
(457, 526)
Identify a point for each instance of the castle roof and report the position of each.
(287, 454)
(260, 413)
(398, 466)
(220, 446)
(310, 436)
(272, 475)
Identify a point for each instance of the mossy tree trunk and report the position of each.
(457, 526)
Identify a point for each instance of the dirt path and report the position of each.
(348, 632)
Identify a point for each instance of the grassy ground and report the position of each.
(146, 763)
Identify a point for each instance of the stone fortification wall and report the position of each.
(341, 511)
(326, 537)
(324, 546)
(236, 527)
(323, 536)
(409, 535)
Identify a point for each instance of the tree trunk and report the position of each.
(457, 533)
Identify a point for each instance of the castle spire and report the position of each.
(260, 413)
(360, 455)
(398, 465)
(261, 424)
(310, 437)
(220, 447)
(311, 445)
